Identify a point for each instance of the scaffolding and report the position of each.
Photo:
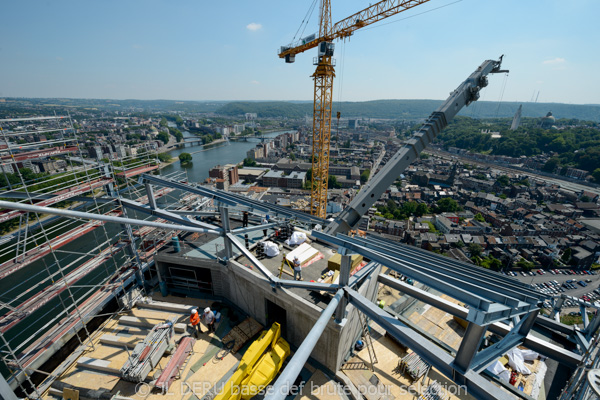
(53, 284)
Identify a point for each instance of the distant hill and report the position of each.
(411, 109)
(115, 105)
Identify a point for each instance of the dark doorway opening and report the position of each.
(278, 314)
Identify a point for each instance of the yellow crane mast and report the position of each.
(323, 81)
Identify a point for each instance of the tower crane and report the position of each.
(323, 81)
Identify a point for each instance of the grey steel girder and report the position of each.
(500, 281)
(532, 342)
(100, 217)
(167, 215)
(441, 265)
(232, 199)
(477, 385)
(501, 306)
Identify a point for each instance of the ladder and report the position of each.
(368, 341)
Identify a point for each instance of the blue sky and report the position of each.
(227, 50)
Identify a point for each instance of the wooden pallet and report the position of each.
(242, 333)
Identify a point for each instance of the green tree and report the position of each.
(479, 217)
(248, 162)
(503, 181)
(447, 205)
(566, 255)
(164, 157)
(475, 249)
(332, 183)
(164, 137)
(185, 158)
(551, 165)
(364, 176)
(421, 210)
(596, 175)
(292, 157)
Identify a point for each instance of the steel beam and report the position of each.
(100, 217)
(6, 392)
(167, 215)
(241, 231)
(514, 338)
(150, 195)
(316, 286)
(442, 267)
(345, 266)
(362, 274)
(534, 343)
(233, 199)
(288, 376)
(469, 346)
(226, 229)
(477, 386)
(475, 301)
(248, 254)
(500, 283)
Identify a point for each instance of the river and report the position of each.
(204, 159)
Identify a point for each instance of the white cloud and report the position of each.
(255, 82)
(554, 61)
(253, 26)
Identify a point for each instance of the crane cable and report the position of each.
(502, 94)
(411, 16)
(305, 20)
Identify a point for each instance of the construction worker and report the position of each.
(209, 319)
(297, 269)
(195, 321)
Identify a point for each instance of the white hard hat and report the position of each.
(194, 311)
(207, 309)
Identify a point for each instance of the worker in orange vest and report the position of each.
(195, 321)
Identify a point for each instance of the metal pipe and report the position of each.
(282, 386)
(99, 217)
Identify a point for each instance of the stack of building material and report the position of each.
(335, 261)
(304, 252)
(414, 366)
(433, 392)
(175, 364)
(146, 354)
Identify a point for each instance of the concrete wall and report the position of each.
(248, 290)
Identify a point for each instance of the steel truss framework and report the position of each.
(493, 300)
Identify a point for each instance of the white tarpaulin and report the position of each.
(296, 238)
(498, 369)
(529, 355)
(271, 249)
(517, 362)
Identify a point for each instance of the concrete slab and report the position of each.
(97, 365)
(134, 321)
